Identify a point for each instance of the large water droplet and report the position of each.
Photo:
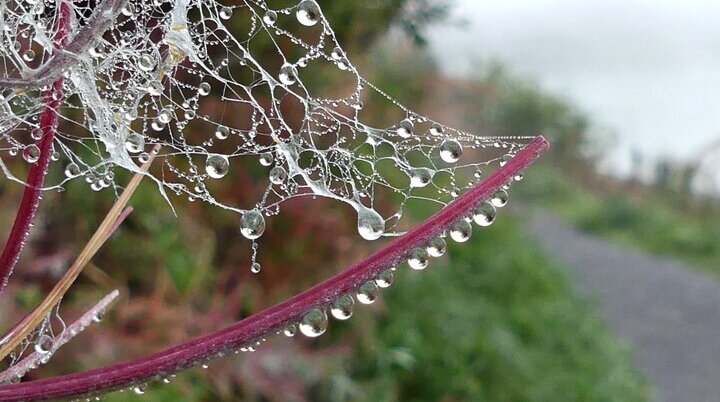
(405, 128)
(500, 198)
(252, 224)
(270, 18)
(278, 175)
(31, 153)
(385, 279)
(140, 389)
(288, 74)
(204, 89)
(436, 129)
(146, 63)
(222, 132)
(436, 247)
(44, 344)
(418, 259)
(371, 224)
(308, 12)
(484, 214)
(266, 159)
(134, 143)
(226, 13)
(314, 323)
(367, 292)
(420, 177)
(29, 55)
(290, 330)
(217, 166)
(342, 307)
(461, 231)
(72, 170)
(450, 151)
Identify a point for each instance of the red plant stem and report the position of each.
(38, 170)
(266, 322)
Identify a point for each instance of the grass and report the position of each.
(653, 221)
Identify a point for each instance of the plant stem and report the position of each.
(36, 174)
(266, 322)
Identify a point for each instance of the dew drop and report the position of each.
(484, 214)
(72, 170)
(308, 13)
(461, 231)
(337, 54)
(146, 63)
(436, 129)
(226, 13)
(128, 10)
(31, 153)
(144, 157)
(165, 116)
(36, 134)
(436, 247)
(405, 128)
(290, 330)
(418, 259)
(278, 175)
(288, 74)
(44, 344)
(217, 166)
(270, 18)
(222, 132)
(255, 268)
(134, 143)
(266, 159)
(204, 89)
(140, 389)
(367, 292)
(505, 159)
(29, 55)
(420, 177)
(371, 224)
(252, 224)
(500, 198)
(314, 323)
(385, 279)
(342, 308)
(450, 151)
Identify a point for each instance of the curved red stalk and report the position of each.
(38, 170)
(266, 322)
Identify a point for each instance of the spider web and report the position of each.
(187, 75)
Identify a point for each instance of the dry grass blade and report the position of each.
(32, 320)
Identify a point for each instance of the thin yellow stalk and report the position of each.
(32, 320)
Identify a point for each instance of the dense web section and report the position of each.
(186, 75)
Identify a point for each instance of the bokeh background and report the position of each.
(624, 90)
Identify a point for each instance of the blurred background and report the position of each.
(597, 283)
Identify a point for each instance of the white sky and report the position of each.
(647, 69)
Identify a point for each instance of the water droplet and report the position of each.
(500, 198)
(29, 55)
(314, 323)
(134, 143)
(128, 10)
(222, 132)
(97, 317)
(266, 159)
(144, 157)
(288, 74)
(157, 125)
(436, 129)
(436, 247)
(204, 89)
(405, 128)
(255, 268)
(505, 159)
(72, 170)
(371, 224)
(155, 88)
(342, 308)
(308, 12)
(461, 231)
(146, 63)
(140, 389)
(226, 13)
(31, 153)
(420, 177)
(478, 173)
(450, 151)
(290, 330)
(270, 18)
(385, 279)
(418, 259)
(36, 134)
(252, 224)
(484, 214)
(519, 177)
(337, 54)
(165, 116)
(44, 344)
(278, 175)
(367, 292)
(217, 166)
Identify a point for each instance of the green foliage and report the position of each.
(497, 322)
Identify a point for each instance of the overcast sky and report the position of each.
(647, 69)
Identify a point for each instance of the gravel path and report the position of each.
(669, 312)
